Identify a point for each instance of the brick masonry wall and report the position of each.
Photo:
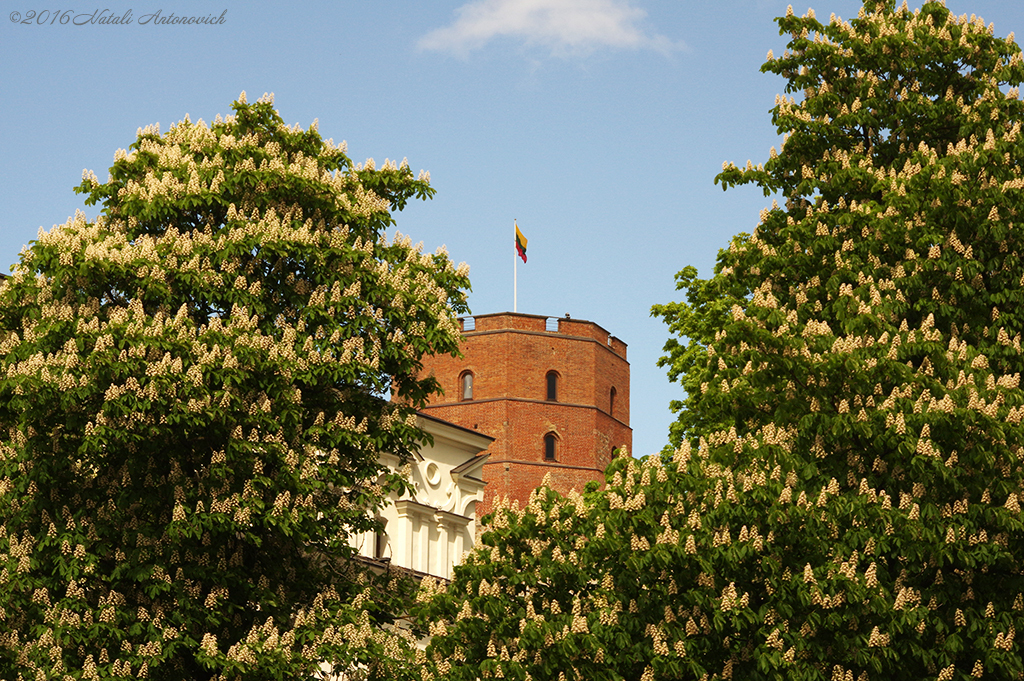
(510, 356)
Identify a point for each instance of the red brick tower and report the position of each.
(554, 393)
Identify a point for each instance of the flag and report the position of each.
(520, 242)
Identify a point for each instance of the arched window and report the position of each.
(611, 402)
(466, 385)
(552, 380)
(550, 445)
(380, 539)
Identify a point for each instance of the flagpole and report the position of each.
(515, 273)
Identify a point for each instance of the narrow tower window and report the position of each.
(467, 386)
(552, 386)
(549, 446)
(611, 402)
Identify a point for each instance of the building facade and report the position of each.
(427, 531)
(553, 393)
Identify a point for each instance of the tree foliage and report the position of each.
(192, 401)
(844, 499)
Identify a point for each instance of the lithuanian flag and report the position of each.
(520, 242)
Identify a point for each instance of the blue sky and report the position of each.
(598, 124)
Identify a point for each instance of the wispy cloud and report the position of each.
(564, 26)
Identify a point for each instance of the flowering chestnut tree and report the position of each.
(192, 403)
(844, 500)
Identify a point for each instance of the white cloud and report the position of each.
(565, 26)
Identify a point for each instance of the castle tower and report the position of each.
(553, 393)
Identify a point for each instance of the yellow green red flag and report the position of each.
(520, 242)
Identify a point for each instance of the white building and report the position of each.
(428, 531)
